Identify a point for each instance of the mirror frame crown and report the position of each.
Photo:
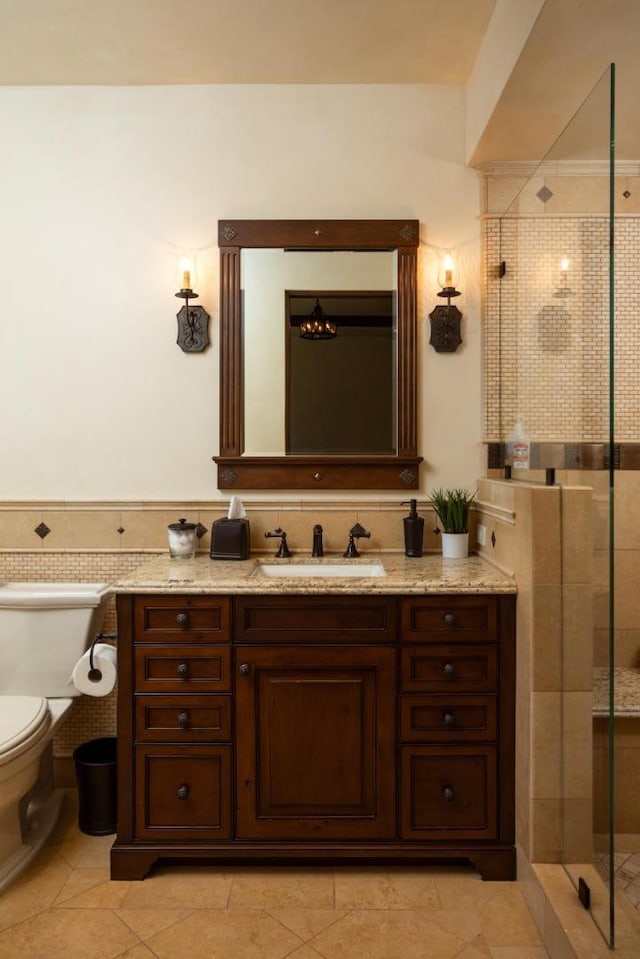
(236, 471)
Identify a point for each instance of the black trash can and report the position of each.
(96, 775)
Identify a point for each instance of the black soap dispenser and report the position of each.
(413, 531)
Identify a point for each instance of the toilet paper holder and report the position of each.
(95, 675)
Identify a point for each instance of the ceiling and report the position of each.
(129, 42)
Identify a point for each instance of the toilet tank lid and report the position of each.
(22, 718)
(51, 595)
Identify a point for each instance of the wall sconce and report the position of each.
(193, 321)
(445, 320)
(564, 289)
(318, 327)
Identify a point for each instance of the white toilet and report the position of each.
(44, 629)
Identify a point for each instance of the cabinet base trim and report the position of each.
(134, 861)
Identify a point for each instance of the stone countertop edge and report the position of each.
(429, 574)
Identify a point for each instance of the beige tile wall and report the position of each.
(544, 536)
(143, 526)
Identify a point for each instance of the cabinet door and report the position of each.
(449, 793)
(315, 743)
(183, 792)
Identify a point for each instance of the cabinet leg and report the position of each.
(496, 864)
(131, 864)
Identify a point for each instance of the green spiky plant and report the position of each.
(452, 509)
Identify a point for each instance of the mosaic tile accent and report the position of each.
(546, 336)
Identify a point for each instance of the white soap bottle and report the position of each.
(518, 447)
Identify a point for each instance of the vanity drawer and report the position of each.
(440, 718)
(446, 619)
(180, 669)
(309, 619)
(168, 619)
(183, 792)
(449, 793)
(472, 669)
(182, 719)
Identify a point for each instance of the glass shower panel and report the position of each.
(552, 356)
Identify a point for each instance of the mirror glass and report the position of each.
(315, 396)
(359, 389)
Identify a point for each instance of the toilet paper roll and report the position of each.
(101, 680)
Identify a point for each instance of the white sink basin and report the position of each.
(346, 570)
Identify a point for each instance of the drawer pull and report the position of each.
(447, 794)
(244, 669)
(183, 792)
(449, 670)
(182, 619)
(182, 670)
(183, 720)
(449, 719)
(449, 619)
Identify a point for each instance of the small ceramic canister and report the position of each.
(182, 539)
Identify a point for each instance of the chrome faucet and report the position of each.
(283, 550)
(318, 549)
(356, 532)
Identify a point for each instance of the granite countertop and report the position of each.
(626, 691)
(427, 574)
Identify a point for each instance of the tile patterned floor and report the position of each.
(66, 907)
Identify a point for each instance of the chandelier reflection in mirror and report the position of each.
(318, 326)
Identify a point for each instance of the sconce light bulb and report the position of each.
(186, 272)
(564, 264)
(446, 274)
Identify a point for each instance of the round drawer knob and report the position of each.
(183, 720)
(317, 477)
(449, 670)
(182, 619)
(448, 719)
(182, 670)
(183, 792)
(449, 619)
(447, 794)
(244, 669)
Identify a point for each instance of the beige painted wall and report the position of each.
(103, 187)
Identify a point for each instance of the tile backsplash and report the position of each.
(101, 542)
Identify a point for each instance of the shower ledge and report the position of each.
(626, 691)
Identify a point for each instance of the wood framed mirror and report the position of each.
(242, 469)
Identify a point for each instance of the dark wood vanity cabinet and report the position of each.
(315, 728)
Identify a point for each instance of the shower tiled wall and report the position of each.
(547, 357)
(544, 536)
(546, 333)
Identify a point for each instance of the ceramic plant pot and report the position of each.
(455, 545)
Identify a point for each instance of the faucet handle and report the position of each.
(359, 531)
(356, 532)
(283, 550)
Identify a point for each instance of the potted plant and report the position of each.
(452, 509)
